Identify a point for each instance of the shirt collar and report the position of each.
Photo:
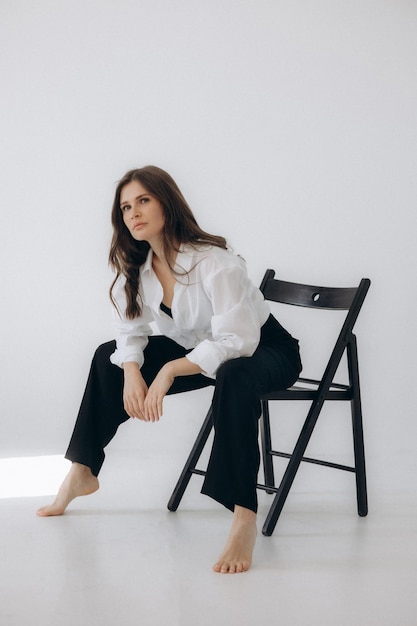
(147, 266)
(183, 261)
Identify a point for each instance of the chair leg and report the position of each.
(357, 425)
(191, 463)
(292, 468)
(266, 445)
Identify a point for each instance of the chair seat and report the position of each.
(307, 389)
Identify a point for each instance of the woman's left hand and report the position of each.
(156, 393)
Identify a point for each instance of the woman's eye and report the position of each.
(125, 207)
(144, 200)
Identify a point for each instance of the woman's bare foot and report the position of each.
(237, 555)
(79, 482)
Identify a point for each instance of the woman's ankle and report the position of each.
(243, 514)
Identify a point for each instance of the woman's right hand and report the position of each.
(134, 391)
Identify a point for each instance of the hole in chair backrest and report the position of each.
(315, 297)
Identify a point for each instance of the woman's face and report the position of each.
(142, 213)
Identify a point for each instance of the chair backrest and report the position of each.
(329, 298)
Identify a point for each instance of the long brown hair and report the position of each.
(127, 255)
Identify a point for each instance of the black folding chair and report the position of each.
(315, 391)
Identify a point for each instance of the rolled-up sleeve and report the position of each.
(131, 335)
(235, 325)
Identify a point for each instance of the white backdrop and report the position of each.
(290, 127)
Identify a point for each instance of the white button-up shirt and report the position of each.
(217, 312)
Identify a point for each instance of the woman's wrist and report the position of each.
(181, 367)
(131, 368)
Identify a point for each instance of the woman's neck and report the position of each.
(159, 254)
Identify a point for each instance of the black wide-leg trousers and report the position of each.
(234, 462)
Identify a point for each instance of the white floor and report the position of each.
(119, 557)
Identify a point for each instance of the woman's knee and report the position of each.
(104, 351)
(236, 371)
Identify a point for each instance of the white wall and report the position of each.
(289, 125)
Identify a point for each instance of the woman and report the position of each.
(216, 329)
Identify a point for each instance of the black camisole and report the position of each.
(165, 309)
